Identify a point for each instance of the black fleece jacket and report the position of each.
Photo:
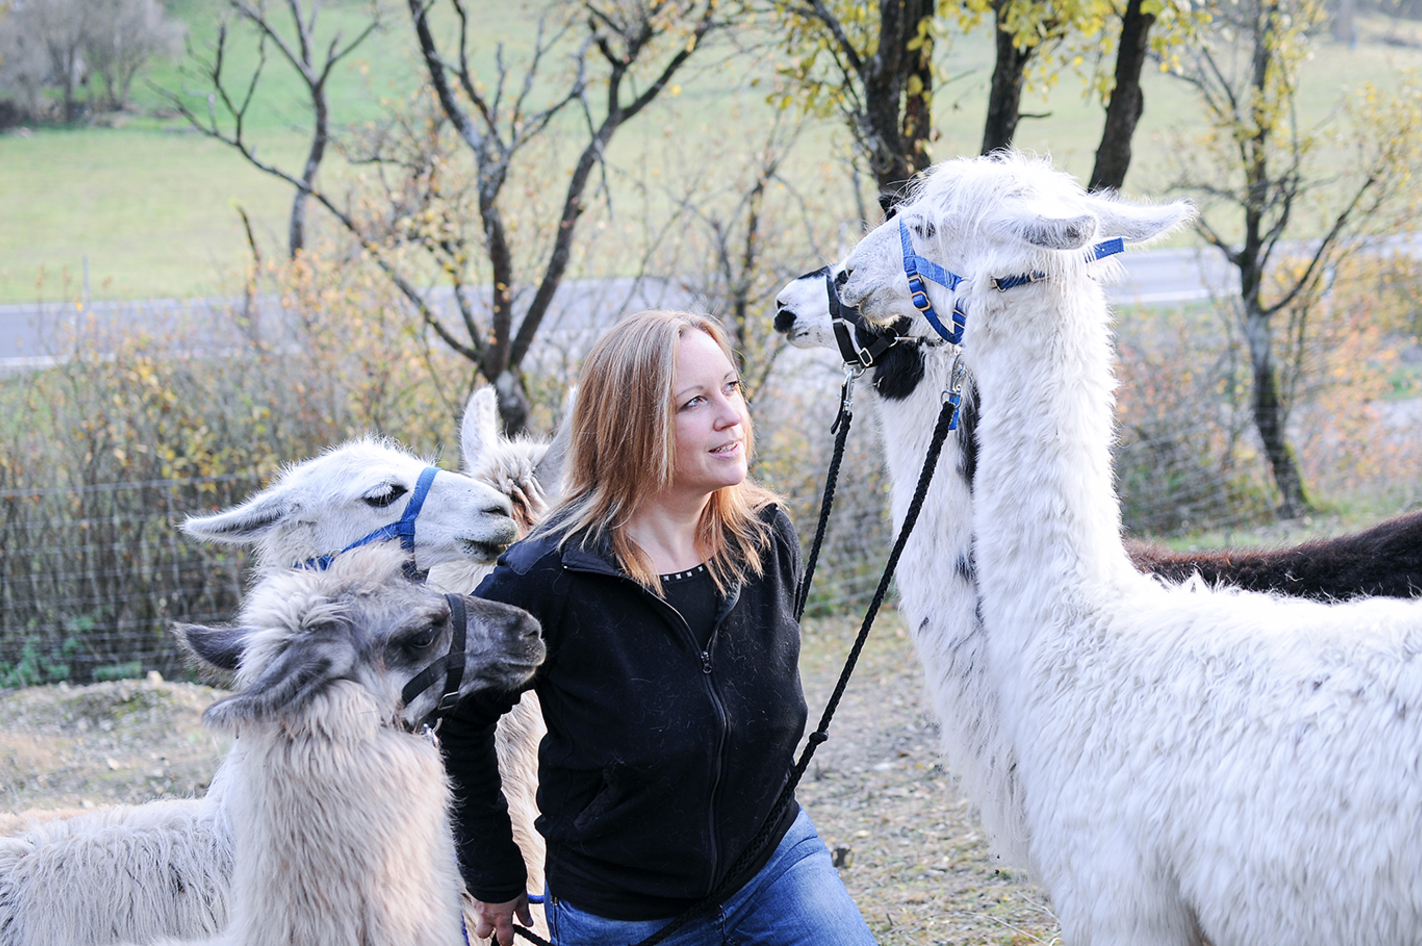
(661, 760)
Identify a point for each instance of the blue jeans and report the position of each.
(796, 899)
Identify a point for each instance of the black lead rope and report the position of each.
(840, 429)
(787, 794)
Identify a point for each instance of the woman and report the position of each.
(665, 584)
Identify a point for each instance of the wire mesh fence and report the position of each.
(92, 577)
(93, 570)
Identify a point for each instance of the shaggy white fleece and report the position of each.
(1197, 765)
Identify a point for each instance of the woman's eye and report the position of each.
(693, 402)
(380, 500)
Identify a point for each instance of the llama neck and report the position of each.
(1046, 515)
(343, 837)
(938, 599)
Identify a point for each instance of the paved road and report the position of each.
(36, 335)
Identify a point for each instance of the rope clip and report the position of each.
(846, 395)
(953, 394)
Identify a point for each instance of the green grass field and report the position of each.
(152, 204)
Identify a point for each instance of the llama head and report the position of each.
(529, 472)
(325, 504)
(917, 367)
(994, 217)
(359, 624)
(802, 315)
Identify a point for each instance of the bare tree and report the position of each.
(24, 62)
(753, 224)
(626, 51)
(637, 47)
(292, 30)
(59, 27)
(60, 43)
(1259, 190)
(120, 37)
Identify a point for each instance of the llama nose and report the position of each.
(784, 319)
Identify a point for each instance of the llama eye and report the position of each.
(421, 640)
(380, 500)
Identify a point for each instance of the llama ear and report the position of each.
(245, 523)
(1059, 233)
(220, 648)
(298, 673)
(479, 430)
(1140, 223)
(549, 471)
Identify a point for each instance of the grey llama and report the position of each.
(339, 809)
(169, 860)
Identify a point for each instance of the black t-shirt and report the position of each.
(693, 594)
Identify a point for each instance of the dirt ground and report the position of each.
(915, 858)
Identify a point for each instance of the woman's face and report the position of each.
(711, 418)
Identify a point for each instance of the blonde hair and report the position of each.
(623, 448)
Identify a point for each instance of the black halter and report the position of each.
(850, 327)
(452, 664)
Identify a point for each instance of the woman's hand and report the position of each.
(497, 918)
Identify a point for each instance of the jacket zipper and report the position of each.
(727, 605)
(722, 729)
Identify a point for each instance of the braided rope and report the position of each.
(841, 432)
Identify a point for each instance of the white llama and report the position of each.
(935, 580)
(1197, 765)
(339, 810)
(168, 862)
(905, 390)
(366, 489)
(320, 506)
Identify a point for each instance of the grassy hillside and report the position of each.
(151, 204)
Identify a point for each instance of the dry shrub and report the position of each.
(793, 413)
(102, 453)
(1189, 458)
(1353, 416)
(1184, 461)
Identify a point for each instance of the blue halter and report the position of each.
(1100, 251)
(404, 527)
(916, 266)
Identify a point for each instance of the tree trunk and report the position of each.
(896, 126)
(1123, 112)
(1005, 95)
(1269, 419)
(1344, 28)
(513, 403)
